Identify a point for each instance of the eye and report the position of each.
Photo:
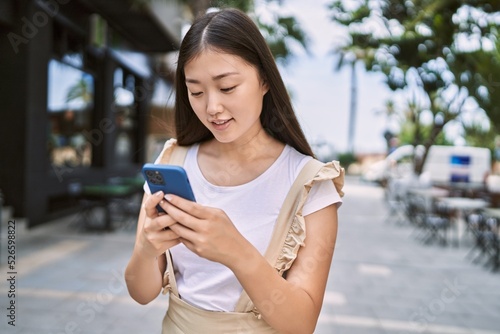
(227, 90)
(195, 94)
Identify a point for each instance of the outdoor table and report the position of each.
(492, 212)
(433, 192)
(464, 189)
(460, 205)
(104, 193)
(429, 195)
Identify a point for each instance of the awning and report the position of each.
(136, 22)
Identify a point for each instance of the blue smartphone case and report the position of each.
(168, 178)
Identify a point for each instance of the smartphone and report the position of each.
(168, 178)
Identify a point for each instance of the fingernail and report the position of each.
(168, 197)
(159, 193)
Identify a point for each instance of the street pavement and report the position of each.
(382, 279)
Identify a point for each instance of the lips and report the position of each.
(221, 124)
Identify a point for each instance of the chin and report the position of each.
(224, 139)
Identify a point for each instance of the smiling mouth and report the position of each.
(221, 122)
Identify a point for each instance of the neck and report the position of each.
(246, 149)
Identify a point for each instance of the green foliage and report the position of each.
(418, 45)
(407, 134)
(346, 159)
(280, 33)
(80, 90)
(479, 72)
(477, 135)
(244, 5)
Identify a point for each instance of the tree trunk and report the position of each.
(352, 108)
(419, 165)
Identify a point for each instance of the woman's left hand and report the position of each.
(206, 231)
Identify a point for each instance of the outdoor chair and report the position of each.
(89, 209)
(487, 243)
(103, 204)
(436, 223)
(395, 195)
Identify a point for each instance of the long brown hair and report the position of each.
(232, 31)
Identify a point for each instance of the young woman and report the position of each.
(231, 261)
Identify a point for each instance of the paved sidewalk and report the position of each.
(382, 280)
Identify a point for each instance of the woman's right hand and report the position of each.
(155, 236)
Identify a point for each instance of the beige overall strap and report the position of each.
(171, 276)
(283, 223)
(176, 156)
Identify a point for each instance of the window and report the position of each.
(70, 108)
(125, 114)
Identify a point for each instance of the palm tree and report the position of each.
(80, 91)
(350, 55)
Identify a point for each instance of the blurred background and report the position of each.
(404, 93)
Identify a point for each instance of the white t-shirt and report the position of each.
(253, 208)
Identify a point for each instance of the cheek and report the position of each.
(200, 114)
(196, 105)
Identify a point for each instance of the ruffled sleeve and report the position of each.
(297, 233)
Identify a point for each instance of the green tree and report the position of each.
(419, 46)
(281, 32)
(477, 135)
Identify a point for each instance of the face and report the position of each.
(226, 93)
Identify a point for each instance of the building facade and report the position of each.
(77, 86)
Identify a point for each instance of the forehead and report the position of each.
(213, 62)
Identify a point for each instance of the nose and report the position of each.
(214, 105)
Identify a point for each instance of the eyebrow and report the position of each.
(215, 78)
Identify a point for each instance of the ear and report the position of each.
(265, 87)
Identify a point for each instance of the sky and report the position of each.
(321, 95)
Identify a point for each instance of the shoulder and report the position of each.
(166, 151)
(295, 161)
(169, 147)
(329, 171)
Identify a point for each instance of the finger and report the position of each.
(183, 232)
(162, 222)
(185, 218)
(151, 203)
(169, 235)
(194, 209)
(188, 244)
(165, 244)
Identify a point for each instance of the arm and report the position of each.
(144, 272)
(210, 234)
(280, 300)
